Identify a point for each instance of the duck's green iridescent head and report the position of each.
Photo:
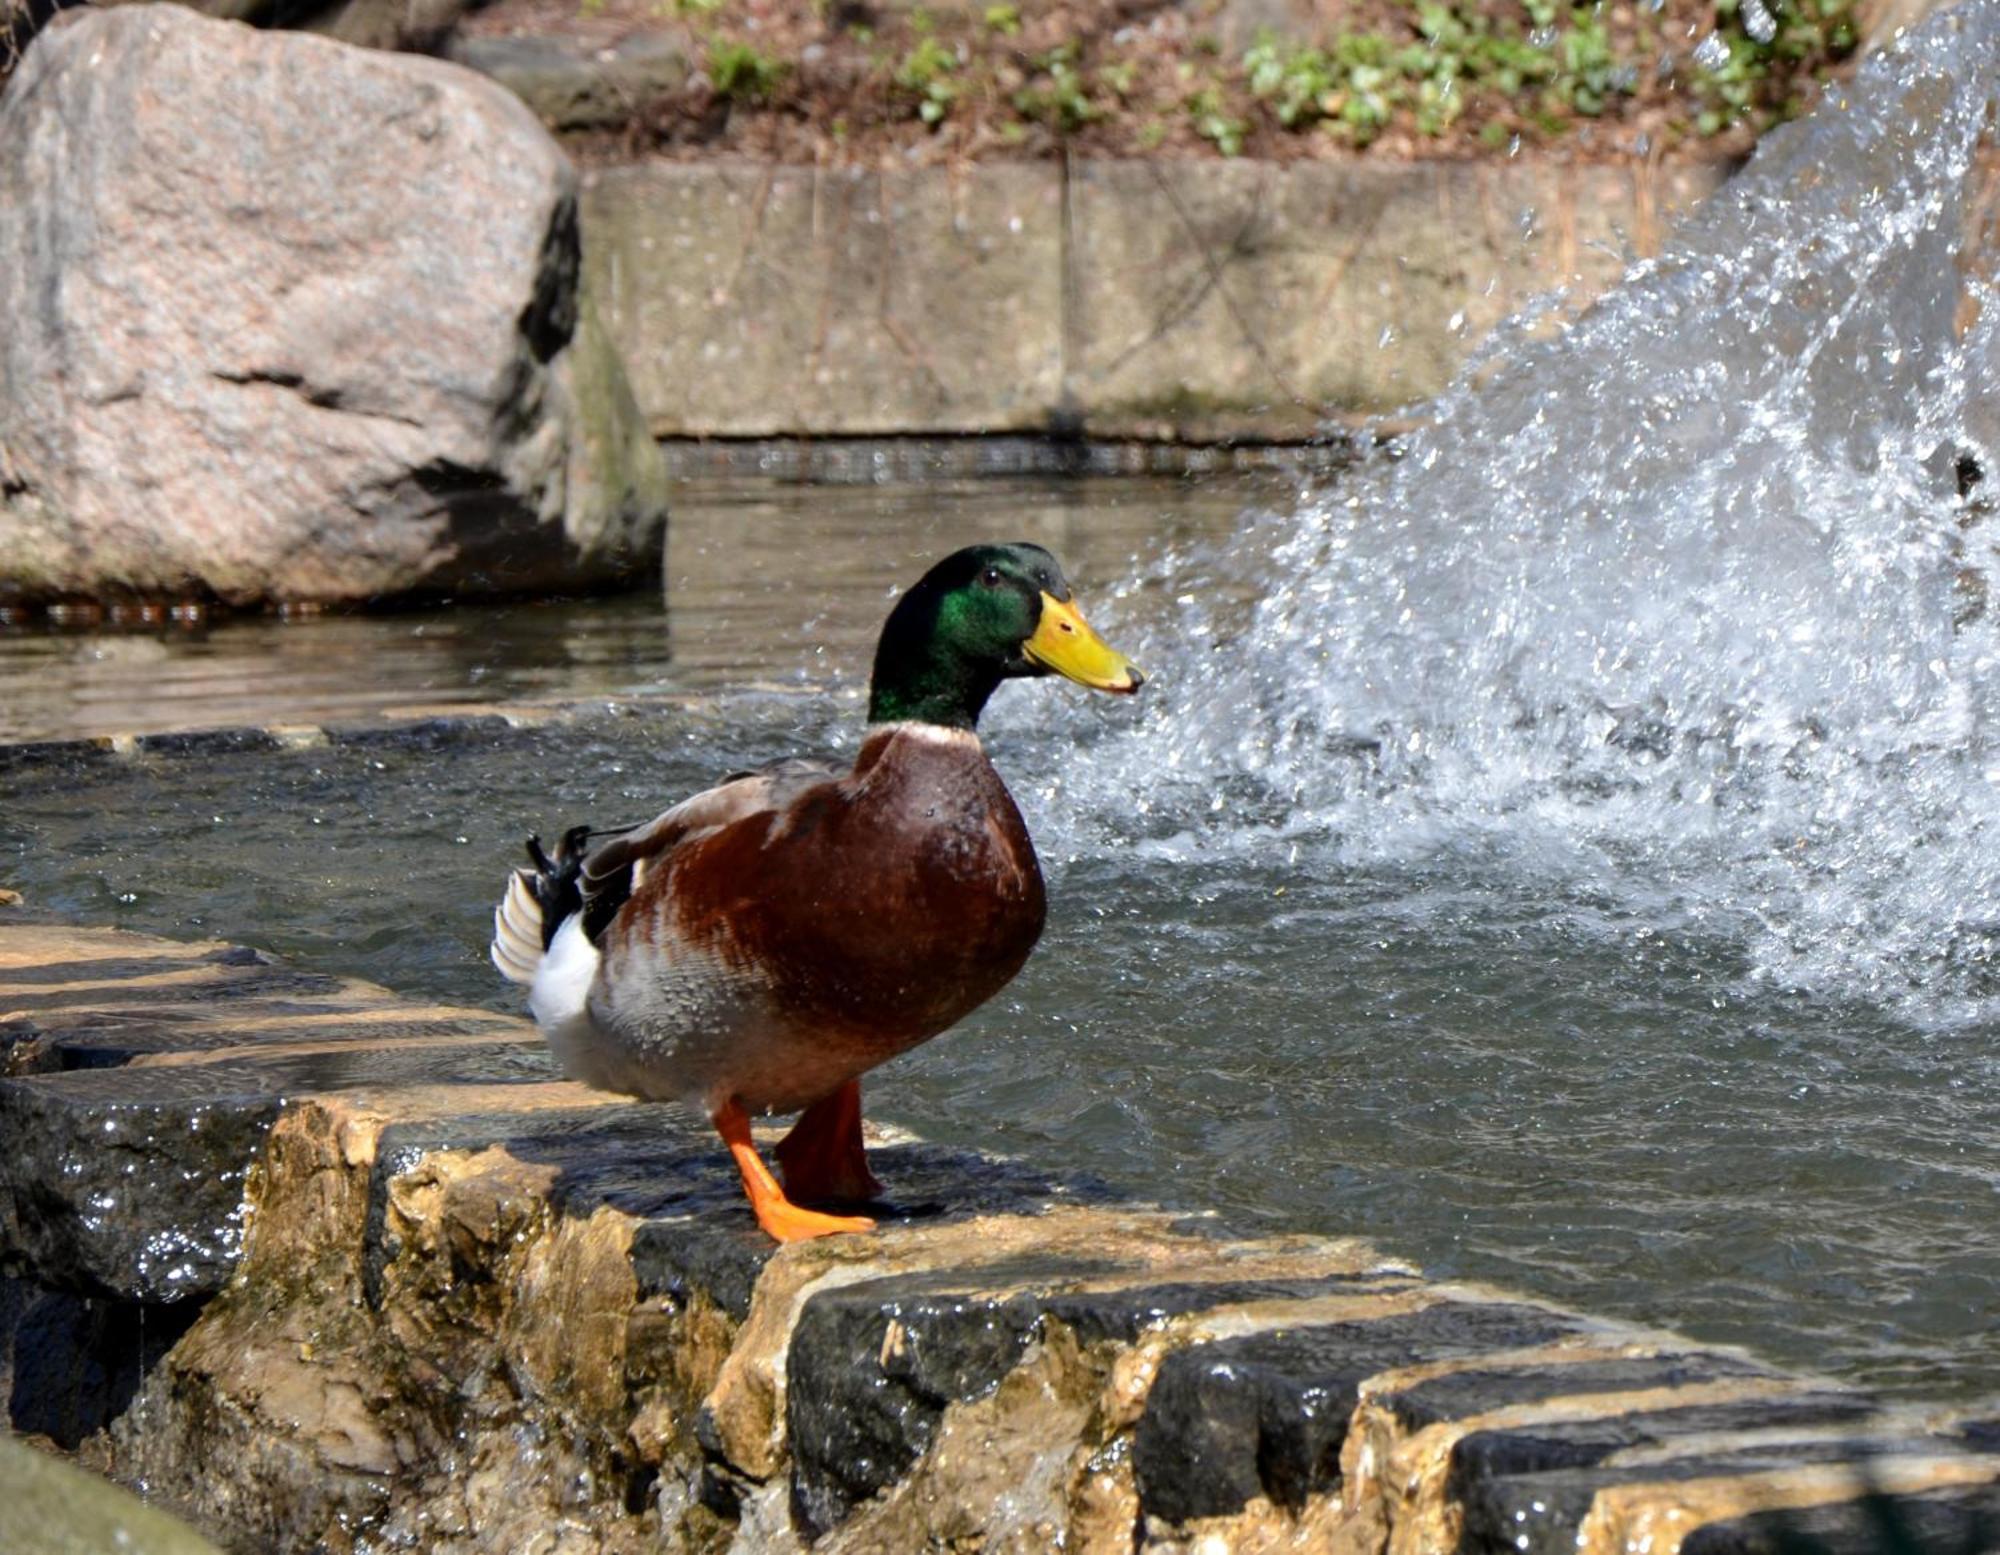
(981, 616)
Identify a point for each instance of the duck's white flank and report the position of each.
(559, 997)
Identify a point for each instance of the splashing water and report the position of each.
(1676, 607)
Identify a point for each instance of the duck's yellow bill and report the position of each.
(1065, 643)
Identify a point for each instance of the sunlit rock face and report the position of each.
(290, 320)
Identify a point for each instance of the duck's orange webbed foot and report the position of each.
(821, 1158)
(781, 1219)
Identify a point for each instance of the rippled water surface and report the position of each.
(1564, 853)
(767, 583)
(1495, 1072)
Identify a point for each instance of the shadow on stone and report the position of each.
(71, 1365)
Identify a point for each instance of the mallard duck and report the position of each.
(761, 945)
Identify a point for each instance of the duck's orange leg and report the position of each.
(821, 1158)
(778, 1215)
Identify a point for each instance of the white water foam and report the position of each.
(1665, 609)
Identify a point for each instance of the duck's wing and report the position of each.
(616, 867)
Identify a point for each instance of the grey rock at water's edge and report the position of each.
(291, 320)
(575, 87)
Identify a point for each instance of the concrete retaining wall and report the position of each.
(1198, 301)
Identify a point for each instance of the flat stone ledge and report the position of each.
(423, 727)
(419, 1291)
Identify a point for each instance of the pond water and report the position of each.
(769, 582)
(1497, 1072)
(1564, 853)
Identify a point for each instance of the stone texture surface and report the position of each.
(293, 320)
(372, 24)
(754, 300)
(48, 1507)
(471, 1308)
(1201, 300)
(573, 86)
(1237, 293)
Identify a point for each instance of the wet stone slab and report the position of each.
(366, 1266)
(127, 1182)
(1543, 1512)
(70, 1365)
(875, 1365)
(1949, 1522)
(1266, 1415)
(1571, 1444)
(663, 1166)
(1458, 1395)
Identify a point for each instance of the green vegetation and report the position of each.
(1214, 123)
(926, 73)
(1413, 77)
(1730, 86)
(741, 73)
(1560, 66)
(1059, 97)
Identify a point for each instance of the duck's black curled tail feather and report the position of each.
(538, 899)
(557, 882)
(543, 897)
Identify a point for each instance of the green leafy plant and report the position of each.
(1297, 81)
(1591, 74)
(1214, 123)
(743, 74)
(1565, 64)
(1003, 19)
(1736, 79)
(1064, 103)
(928, 73)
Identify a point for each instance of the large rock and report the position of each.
(292, 320)
(373, 24)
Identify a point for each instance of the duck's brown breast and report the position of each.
(879, 908)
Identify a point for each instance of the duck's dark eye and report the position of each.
(990, 577)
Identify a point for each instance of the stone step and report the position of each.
(326, 1265)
